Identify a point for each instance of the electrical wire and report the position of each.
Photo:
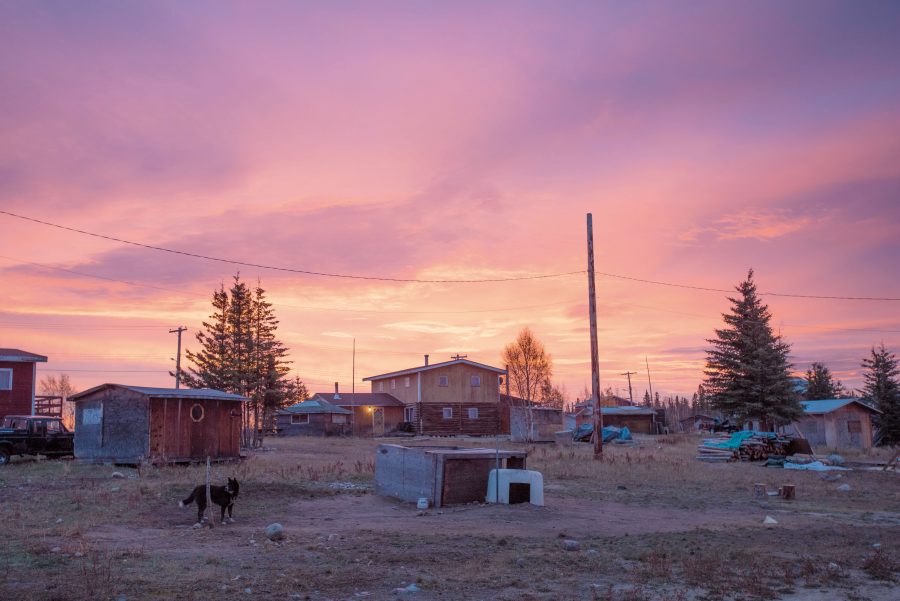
(434, 281)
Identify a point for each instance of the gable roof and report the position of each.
(14, 355)
(314, 405)
(829, 405)
(167, 393)
(414, 370)
(361, 399)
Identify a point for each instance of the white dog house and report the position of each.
(515, 486)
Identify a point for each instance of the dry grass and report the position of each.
(72, 532)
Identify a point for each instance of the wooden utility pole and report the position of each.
(595, 360)
(630, 395)
(353, 393)
(178, 331)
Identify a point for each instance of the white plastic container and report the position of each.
(423, 503)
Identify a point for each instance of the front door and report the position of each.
(378, 421)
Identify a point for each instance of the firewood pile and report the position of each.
(742, 446)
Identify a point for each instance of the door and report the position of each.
(378, 421)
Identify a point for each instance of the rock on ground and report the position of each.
(275, 532)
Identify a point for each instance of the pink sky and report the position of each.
(466, 140)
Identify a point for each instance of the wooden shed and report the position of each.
(115, 423)
(837, 423)
(313, 417)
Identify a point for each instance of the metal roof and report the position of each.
(167, 393)
(414, 370)
(829, 405)
(360, 399)
(627, 410)
(314, 405)
(14, 355)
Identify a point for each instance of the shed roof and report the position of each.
(314, 405)
(413, 370)
(167, 393)
(627, 410)
(829, 405)
(360, 399)
(14, 355)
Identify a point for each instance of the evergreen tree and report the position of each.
(240, 353)
(211, 363)
(882, 389)
(820, 384)
(747, 368)
(647, 400)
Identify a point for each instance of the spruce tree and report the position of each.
(820, 383)
(211, 363)
(747, 368)
(882, 389)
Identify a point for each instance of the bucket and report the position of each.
(423, 503)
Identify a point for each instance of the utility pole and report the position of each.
(178, 331)
(595, 360)
(353, 393)
(630, 395)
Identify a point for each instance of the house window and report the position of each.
(443, 381)
(5, 379)
(406, 382)
(300, 419)
(409, 414)
(854, 427)
(476, 381)
(338, 418)
(393, 384)
(448, 412)
(197, 412)
(381, 386)
(473, 412)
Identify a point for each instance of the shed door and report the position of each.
(854, 432)
(200, 424)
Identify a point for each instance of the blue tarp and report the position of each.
(610, 433)
(736, 439)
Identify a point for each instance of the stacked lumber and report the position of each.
(752, 448)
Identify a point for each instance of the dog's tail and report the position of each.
(189, 500)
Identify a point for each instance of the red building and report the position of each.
(18, 378)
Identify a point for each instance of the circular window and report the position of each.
(197, 412)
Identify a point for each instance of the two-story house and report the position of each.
(446, 399)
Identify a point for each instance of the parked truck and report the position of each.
(34, 435)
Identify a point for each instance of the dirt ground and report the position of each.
(650, 524)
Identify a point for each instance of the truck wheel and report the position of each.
(4, 456)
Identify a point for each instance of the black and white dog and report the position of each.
(223, 496)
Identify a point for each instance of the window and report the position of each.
(476, 381)
(197, 412)
(338, 418)
(409, 414)
(473, 412)
(393, 384)
(443, 381)
(53, 427)
(448, 412)
(5, 379)
(381, 386)
(300, 419)
(854, 427)
(406, 382)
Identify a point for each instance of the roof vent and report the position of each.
(426, 360)
(337, 396)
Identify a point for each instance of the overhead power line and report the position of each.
(290, 269)
(433, 281)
